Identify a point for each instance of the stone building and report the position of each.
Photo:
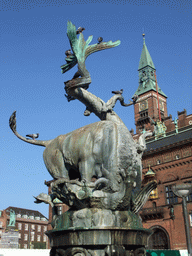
(30, 225)
(168, 159)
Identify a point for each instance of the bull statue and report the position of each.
(100, 160)
(104, 151)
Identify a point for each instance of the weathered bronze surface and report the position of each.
(96, 169)
(105, 241)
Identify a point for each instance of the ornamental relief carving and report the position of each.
(177, 155)
(149, 162)
(167, 157)
(186, 152)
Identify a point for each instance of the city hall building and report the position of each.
(167, 159)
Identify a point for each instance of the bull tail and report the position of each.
(12, 125)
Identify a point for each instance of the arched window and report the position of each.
(159, 239)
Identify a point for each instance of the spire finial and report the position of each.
(143, 37)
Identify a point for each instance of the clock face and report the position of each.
(143, 105)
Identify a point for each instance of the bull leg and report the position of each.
(86, 169)
(55, 163)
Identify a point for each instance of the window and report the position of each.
(171, 198)
(32, 237)
(19, 226)
(189, 197)
(33, 227)
(45, 228)
(25, 246)
(59, 209)
(25, 237)
(38, 238)
(177, 156)
(18, 215)
(26, 226)
(153, 194)
(39, 228)
(144, 114)
(190, 219)
(19, 235)
(44, 238)
(158, 161)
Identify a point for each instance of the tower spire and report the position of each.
(145, 59)
(151, 103)
(146, 72)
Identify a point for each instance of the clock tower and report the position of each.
(150, 96)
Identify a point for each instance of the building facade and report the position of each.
(30, 225)
(168, 159)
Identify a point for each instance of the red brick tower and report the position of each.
(146, 106)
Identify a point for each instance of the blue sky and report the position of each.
(33, 42)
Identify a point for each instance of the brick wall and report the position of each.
(170, 171)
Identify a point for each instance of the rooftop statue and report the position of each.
(97, 166)
(12, 219)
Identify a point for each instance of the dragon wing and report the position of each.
(82, 49)
(71, 62)
(99, 47)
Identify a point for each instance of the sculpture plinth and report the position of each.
(98, 232)
(97, 171)
(103, 241)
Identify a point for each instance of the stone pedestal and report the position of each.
(98, 232)
(106, 241)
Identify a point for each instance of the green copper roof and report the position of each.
(147, 86)
(150, 172)
(146, 73)
(145, 59)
